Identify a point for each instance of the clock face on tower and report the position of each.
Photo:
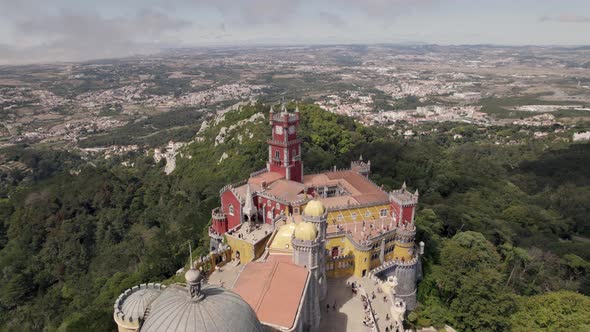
(279, 130)
(291, 129)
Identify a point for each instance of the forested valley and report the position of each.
(506, 226)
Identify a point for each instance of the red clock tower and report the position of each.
(284, 148)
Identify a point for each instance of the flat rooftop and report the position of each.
(259, 232)
(274, 289)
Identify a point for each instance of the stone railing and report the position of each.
(339, 258)
(335, 234)
(356, 206)
(365, 245)
(391, 263)
(262, 171)
(120, 315)
(406, 232)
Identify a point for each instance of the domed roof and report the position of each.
(219, 310)
(282, 239)
(314, 208)
(132, 303)
(306, 231)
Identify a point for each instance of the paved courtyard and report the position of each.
(226, 276)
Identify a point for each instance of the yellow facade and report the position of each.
(402, 251)
(361, 259)
(126, 326)
(339, 268)
(357, 214)
(245, 250)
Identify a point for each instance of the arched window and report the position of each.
(231, 209)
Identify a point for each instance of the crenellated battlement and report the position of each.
(128, 319)
(407, 231)
(284, 116)
(403, 197)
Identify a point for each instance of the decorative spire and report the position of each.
(249, 208)
(190, 252)
(416, 193)
(404, 186)
(361, 157)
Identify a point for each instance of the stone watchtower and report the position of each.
(284, 148)
(309, 251)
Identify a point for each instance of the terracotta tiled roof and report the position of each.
(274, 290)
(288, 190)
(361, 190)
(268, 177)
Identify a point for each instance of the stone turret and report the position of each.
(309, 243)
(361, 167)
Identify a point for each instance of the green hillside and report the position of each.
(505, 226)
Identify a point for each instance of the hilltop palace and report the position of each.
(288, 233)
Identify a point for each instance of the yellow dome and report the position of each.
(314, 208)
(305, 231)
(282, 239)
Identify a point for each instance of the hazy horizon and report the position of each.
(33, 31)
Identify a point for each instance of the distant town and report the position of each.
(543, 90)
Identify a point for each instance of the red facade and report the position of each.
(403, 214)
(266, 205)
(284, 154)
(232, 208)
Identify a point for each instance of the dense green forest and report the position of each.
(505, 226)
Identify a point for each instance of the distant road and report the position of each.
(581, 239)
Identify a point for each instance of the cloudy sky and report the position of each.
(62, 30)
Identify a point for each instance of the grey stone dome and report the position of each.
(131, 305)
(218, 310)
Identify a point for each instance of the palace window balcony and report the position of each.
(218, 214)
